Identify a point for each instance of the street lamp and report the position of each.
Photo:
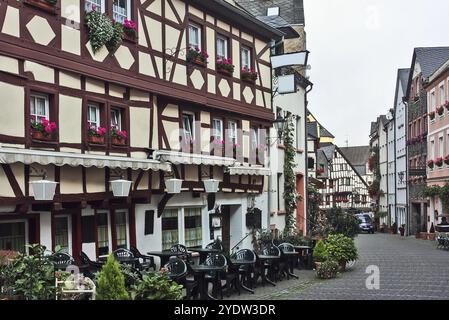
(279, 124)
(121, 187)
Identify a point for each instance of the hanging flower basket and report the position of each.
(120, 188)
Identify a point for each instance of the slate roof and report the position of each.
(312, 129)
(291, 11)
(328, 151)
(358, 156)
(373, 128)
(431, 58)
(325, 133)
(403, 75)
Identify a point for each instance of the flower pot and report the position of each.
(38, 135)
(118, 142)
(96, 139)
(249, 80)
(43, 5)
(198, 62)
(224, 72)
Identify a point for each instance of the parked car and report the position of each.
(365, 223)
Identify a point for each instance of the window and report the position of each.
(273, 11)
(13, 236)
(62, 232)
(442, 95)
(170, 235)
(233, 132)
(433, 101)
(441, 146)
(103, 233)
(93, 115)
(40, 106)
(121, 229)
(116, 118)
(217, 127)
(246, 57)
(195, 36)
(279, 180)
(121, 10)
(432, 149)
(192, 227)
(298, 132)
(188, 121)
(98, 5)
(255, 137)
(348, 181)
(222, 47)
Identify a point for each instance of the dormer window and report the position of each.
(273, 11)
(121, 10)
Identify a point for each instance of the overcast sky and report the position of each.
(356, 47)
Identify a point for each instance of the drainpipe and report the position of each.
(306, 165)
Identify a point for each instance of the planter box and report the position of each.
(249, 80)
(130, 36)
(118, 142)
(41, 136)
(95, 139)
(197, 62)
(42, 5)
(224, 72)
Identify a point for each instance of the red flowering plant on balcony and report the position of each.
(249, 74)
(446, 104)
(130, 28)
(439, 161)
(225, 65)
(431, 164)
(96, 134)
(42, 128)
(432, 115)
(440, 110)
(446, 159)
(118, 136)
(195, 55)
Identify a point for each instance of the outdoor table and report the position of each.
(200, 272)
(264, 258)
(239, 263)
(204, 252)
(291, 261)
(304, 251)
(164, 255)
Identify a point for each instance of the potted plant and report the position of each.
(130, 28)
(111, 282)
(440, 110)
(327, 270)
(430, 164)
(196, 56)
(319, 254)
(439, 161)
(96, 135)
(432, 115)
(341, 249)
(118, 136)
(446, 160)
(43, 129)
(225, 66)
(249, 75)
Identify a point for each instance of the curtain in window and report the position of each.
(12, 236)
(170, 234)
(62, 233)
(193, 231)
(120, 229)
(89, 5)
(120, 11)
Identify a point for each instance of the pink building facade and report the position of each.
(438, 138)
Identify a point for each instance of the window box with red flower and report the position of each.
(440, 110)
(249, 75)
(43, 129)
(432, 115)
(130, 30)
(225, 66)
(446, 160)
(439, 161)
(196, 56)
(45, 5)
(96, 135)
(118, 137)
(430, 164)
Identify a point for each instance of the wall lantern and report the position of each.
(211, 185)
(173, 185)
(121, 188)
(279, 125)
(43, 189)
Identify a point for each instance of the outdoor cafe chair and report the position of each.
(246, 272)
(216, 260)
(178, 272)
(186, 255)
(284, 263)
(147, 261)
(61, 260)
(88, 266)
(273, 267)
(215, 245)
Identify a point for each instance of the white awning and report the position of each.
(250, 171)
(27, 156)
(192, 158)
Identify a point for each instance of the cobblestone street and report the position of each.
(409, 269)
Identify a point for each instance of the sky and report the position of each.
(356, 47)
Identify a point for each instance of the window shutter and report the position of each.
(149, 222)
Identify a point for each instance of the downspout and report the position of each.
(395, 166)
(306, 167)
(407, 205)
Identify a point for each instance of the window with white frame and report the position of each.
(170, 232)
(121, 229)
(442, 95)
(255, 137)
(121, 10)
(272, 11)
(246, 57)
(194, 36)
(233, 131)
(222, 47)
(93, 115)
(441, 146)
(116, 118)
(298, 132)
(97, 5)
(13, 236)
(103, 233)
(217, 128)
(188, 122)
(192, 227)
(62, 226)
(39, 106)
(433, 101)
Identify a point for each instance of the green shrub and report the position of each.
(111, 282)
(327, 270)
(341, 248)
(319, 252)
(342, 222)
(156, 286)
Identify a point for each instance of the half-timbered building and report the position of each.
(157, 107)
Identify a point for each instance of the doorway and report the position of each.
(226, 228)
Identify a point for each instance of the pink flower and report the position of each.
(44, 122)
(53, 126)
(94, 7)
(197, 49)
(48, 129)
(124, 134)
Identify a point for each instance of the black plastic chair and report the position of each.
(284, 262)
(185, 254)
(178, 272)
(217, 260)
(246, 272)
(147, 261)
(273, 266)
(88, 266)
(61, 260)
(217, 245)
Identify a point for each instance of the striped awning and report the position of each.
(250, 171)
(192, 158)
(27, 156)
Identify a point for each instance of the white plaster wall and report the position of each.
(45, 232)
